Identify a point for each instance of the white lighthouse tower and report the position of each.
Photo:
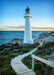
(27, 32)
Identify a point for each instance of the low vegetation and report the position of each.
(38, 65)
(45, 49)
(9, 52)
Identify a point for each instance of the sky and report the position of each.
(12, 14)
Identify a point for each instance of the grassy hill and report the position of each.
(8, 52)
(45, 49)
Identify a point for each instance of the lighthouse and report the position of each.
(28, 33)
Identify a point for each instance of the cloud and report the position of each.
(22, 27)
(17, 27)
(42, 28)
(34, 27)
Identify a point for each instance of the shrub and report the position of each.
(49, 51)
(7, 55)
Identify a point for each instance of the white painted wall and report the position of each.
(28, 32)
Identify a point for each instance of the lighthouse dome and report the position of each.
(28, 10)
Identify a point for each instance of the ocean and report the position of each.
(7, 36)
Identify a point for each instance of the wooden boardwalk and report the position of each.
(47, 62)
(20, 68)
(18, 65)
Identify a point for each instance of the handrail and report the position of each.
(51, 64)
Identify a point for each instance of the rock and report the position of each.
(18, 41)
(44, 35)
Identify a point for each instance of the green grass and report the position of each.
(5, 60)
(41, 52)
(45, 49)
(38, 66)
(7, 55)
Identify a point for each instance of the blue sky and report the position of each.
(12, 13)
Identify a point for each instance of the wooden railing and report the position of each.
(48, 63)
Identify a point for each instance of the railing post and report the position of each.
(33, 63)
(52, 71)
(46, 70)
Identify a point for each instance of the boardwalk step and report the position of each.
(23, 72)
(29, 73)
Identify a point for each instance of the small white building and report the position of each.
(28, 33)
